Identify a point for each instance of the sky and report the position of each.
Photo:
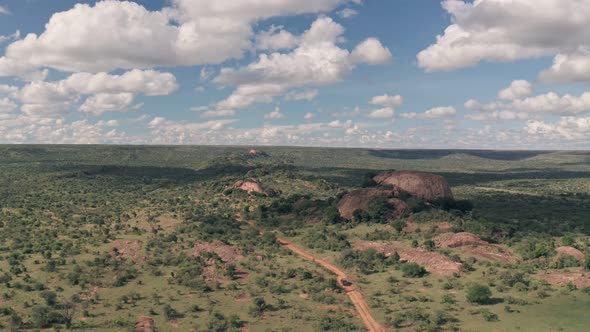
(482, 74)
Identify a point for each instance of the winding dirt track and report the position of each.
(355, 296)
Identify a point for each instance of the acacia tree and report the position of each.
(67, 310)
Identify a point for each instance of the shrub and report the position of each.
(258, 307)
(413, 270)
(449, 299)
(489, 316)
(429, 245)
(477, 293)
(171, 313)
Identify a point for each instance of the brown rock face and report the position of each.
(144, 324)
(359, 200)
(422, 185)
(249, 186)
(570, 251)
(454, 240)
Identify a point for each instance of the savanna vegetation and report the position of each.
(95, 237)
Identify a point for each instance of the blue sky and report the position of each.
(503, 74)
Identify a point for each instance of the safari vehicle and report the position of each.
(345, 282)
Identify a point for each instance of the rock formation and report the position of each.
(570, 251)
(422, 185)
(250, 187)
(359, 200)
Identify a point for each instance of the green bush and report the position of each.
(413, 270)
(489, 316)
(477, 293)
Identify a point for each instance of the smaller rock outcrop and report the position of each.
(251, 186)
(254, 152)
(359, 200)
(144, 324)
(422, 185)
(455, 240)
(570, 251)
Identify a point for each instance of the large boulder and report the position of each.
(359, 200)
(422, 185)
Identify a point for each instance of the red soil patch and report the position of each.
(242, 298)
(228, 254)
(422, 185)
(433, 262)
(570, 251)
(472, 245)
(127, 249)
(304, 296)
(580, 279)
(144, 324)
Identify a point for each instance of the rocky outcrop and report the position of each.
(455, 240)
(422, 185)
(570, 251)
(254, 152)
(250, 187)
(579, 279)
(359, 200)
(144, 324)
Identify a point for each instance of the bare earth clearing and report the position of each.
(433, 262)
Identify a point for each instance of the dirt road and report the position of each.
(355, 296)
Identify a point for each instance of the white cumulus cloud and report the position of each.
(508, 30)
(113, 34)
(276, 114)
(433, 113)
(517, 89)
(316, 61)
